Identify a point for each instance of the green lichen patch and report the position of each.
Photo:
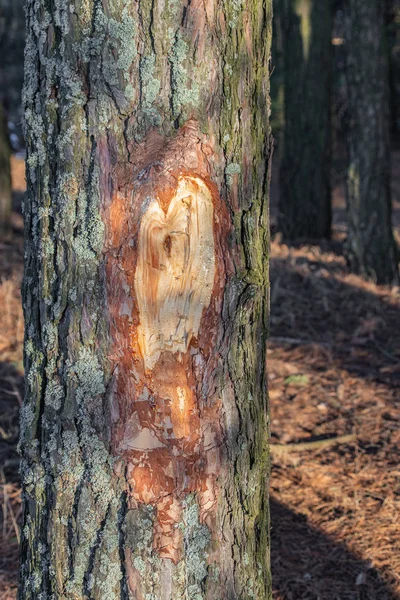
(88, 241)
(89, 375)
(185, 89)
(230, 170)
(139, 534)
(192, 570)
(115, 40)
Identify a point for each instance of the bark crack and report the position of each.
(122, 540)
(92, 556)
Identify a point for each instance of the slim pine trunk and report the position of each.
(144, 431)
(5, 177)
(305, 189)
(277, 119)
(392, 30)
(371, 246)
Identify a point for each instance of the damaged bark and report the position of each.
(144, 429)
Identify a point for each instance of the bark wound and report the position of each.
(175, 271)
(166, 276)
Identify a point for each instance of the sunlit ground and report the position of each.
(334, 370)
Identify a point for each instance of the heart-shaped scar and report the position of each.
(175, 270)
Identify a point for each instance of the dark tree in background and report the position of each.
(5, 176)
(12, 40)
(305, 202)
(393, 43)
(370, 243)
(12, 37)
(277, 82)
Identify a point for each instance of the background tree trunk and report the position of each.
(371, 246)
(5, 176)
(392, 29)
(277, 119)
(144, 430)
(305, 189)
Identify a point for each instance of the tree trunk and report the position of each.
(5, 177)
(144, 431)
(305, 189)
(371, 246)
(392, 30)
(277, 119)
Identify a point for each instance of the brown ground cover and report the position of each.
(334, 370)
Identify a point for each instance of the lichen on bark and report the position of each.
(122, 101)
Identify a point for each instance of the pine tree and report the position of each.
(305, 188)
(144, 430)
(371, 247)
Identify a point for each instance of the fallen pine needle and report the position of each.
(318, 444)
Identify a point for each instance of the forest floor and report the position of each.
(334, 371)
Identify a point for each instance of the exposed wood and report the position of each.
(170, 430)
(175, 271)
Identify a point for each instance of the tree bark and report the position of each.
(277, 119)
(392, 30)
(5, 177)
(305, 189)
(144, 428)
(371, 247)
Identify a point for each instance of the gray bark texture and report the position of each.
(305, 188)
(144, 431)
(371, 247)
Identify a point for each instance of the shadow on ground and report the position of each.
(308, 565)
(314, 302)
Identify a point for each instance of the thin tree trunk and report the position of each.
(277, 120)
(5, 177)
(392, 29)
(144, 429)
(305, 189)
(371, 246)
